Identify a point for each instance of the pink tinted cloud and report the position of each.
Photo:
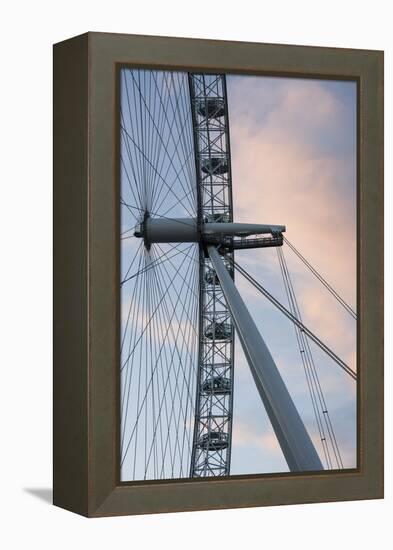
(280, 176)
(284, 173)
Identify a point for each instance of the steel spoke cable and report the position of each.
(164, 145)
(186, 194)
(184, 121)
(142, 154)
(143, 125)
(157, 328)
(124, 233)
(146, 268)
(322, 280)
(140, 410)
(185, 309)
(160, 155)
(146, 369)
(190, 130)
(163, 259)
(138, 250)
(129, 182)
(125, 398)
(133, 121)
(150, 266)
(133, 165)
(194, 382)
(183, 162)
(173, 401)
(188, 138)
(129, 137)
(185, 306)
(161, 347)
(151, 141)
(135, 196)
(288, 314)
(154, 214)
(147, 390)
(129, 207)
(170, 127)
(131, 128)
(190, 289)
(169, 286)
(143, 348)
(314, 373)
(159, 128)
(169, 187)
(190, 404)
(136, 127)
(172, 264)
(313, 370)
(136, 304)
(166, 383)
(139, 126)
(306, 365)
(180, 126)
(131, 303)
(173, 205)
(123, 164)
(140, 363)
(180, 355)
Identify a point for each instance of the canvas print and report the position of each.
(237, 274)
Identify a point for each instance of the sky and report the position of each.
(293, 146)
(293, 151)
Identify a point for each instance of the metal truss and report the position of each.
(211, 452)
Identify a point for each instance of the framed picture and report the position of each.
(218, 274)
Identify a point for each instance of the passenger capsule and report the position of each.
(213, 441)
(215, 165)
(217, 217)
(218, 331)
(218, 385)
(211, 277)
(211, 107)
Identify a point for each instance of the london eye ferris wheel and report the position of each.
(180, 307)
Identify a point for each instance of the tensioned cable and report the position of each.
(159, 175)
(305, 361)
(169, 286)
(316, 393)
(294, 319)
(136, 165)
(159, 342)
(181, 126)
(164, 144)
(163, 259)
(174, 220)
(321, 279)
(185, 357)
(141, 403)
(179, 132)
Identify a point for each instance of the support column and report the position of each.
(296, 444)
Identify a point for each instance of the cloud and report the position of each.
(294, 163)
(245, 435)
(283, 174)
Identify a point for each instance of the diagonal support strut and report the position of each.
(294, 440)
